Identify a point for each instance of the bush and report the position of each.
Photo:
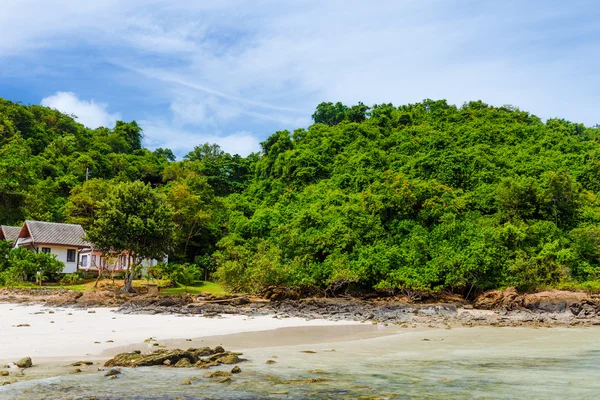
(72, 279)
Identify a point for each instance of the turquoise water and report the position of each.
(486, 363)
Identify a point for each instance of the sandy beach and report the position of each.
(49, 333)
(291, 357)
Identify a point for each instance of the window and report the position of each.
(93, 261)
(84, 261)
(71, 255)
(46, 250)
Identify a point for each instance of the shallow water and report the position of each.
(486, 363)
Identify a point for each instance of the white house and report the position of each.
(64, 240)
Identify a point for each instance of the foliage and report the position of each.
(19, 265)
(71, 279)
(135, 219)
(418, 198)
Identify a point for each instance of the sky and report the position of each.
(234, 72)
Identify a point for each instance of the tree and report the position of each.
(330, 114)
(84, 200)
(133, 219)
(131, 132)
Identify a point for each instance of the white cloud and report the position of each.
(89, 113)
(182, 141)
(233, 66)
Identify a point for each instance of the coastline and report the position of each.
(311, 354)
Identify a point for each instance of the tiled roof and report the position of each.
(10, 233)
(54, 233)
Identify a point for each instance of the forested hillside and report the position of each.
(416, 198)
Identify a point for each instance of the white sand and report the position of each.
(74, 336)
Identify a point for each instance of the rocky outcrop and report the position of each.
(204, 357)
(550, 301)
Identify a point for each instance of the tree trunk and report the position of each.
(128, 288)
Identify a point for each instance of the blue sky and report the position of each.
(234, 72)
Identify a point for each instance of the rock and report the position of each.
(112, 377)
(236, 370)
(112, 372)
(271, 362)
(193, 356)
(225, 380)
(188, 340)
(3, 373)
(186, 382)
(23, 325)
(81, 363)
(309, 352)
(317, 371)
(24, 363)
(230, 358)
(183, 363)
(217, 374)
(76, 371)
(91, 312)
(110, 341)
(203, 364)
(218, 349)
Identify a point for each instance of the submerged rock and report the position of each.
(112, 372)
(217, 374)
(81, 363)
(236, 370)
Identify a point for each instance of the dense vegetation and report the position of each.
(416, 198)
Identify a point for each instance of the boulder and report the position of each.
(230, 358)
(201, 358)
(183, 363)
(112, 372)
(203, 364)
(157, 357)
(24, 363)
(217, 374)
(236, 370)
(3, 373)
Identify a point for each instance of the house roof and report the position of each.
(9, 233)
(55, 233)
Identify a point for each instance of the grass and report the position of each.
(88, 285)
(198, 287)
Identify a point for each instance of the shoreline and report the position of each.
(298, 345)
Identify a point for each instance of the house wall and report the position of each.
(61, 255)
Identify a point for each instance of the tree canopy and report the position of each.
(413, 198)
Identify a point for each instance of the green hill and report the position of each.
(416, 198)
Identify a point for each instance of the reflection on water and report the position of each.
(377, 368)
